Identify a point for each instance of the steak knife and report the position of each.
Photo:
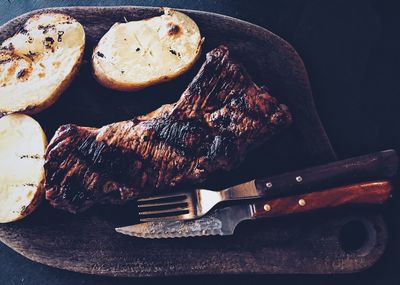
(223, 221)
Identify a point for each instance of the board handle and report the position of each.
(368, 193)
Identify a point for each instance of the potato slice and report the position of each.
(137, 54)
(38, 63)
(22, 148)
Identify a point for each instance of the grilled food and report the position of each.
(218, 119)
(38, 63)
(137, 54)
(22, 148)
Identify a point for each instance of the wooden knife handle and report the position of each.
(367, 193)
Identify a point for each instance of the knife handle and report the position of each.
(367, 193)
(375, 166)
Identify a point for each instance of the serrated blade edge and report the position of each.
(162, 235)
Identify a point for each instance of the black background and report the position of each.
(351, 50)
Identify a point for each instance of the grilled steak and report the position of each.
(218, 119)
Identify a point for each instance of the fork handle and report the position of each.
(368, 193)
(374, 166)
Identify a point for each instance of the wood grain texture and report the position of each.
(88, 243)
(379, 165)
(364, 193)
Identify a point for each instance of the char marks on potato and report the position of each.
(22, 148)
(137, 54)
(39, 62)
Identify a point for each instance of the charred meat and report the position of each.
(218, 119)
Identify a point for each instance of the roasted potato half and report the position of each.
(38, 63)
(137, 54)
(22, 149)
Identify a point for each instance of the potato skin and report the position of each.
(107, 80)
(37, 199)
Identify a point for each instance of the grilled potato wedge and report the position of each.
(137, 54)
(38, 63)
(22, 149)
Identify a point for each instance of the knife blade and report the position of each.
(223, 221)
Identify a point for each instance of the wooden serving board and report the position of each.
(331, 242)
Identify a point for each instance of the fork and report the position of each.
(195, 204)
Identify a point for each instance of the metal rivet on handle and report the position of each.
(299, 179)
(267, 208)
(302, 202)
(268, 184)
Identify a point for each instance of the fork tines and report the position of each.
(163, 207)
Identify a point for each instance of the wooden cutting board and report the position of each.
(332, 242)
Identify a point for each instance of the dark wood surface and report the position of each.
(272, 62)
(350, 49)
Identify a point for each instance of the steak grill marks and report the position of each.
(218, 119)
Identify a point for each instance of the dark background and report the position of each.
(351, 50)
